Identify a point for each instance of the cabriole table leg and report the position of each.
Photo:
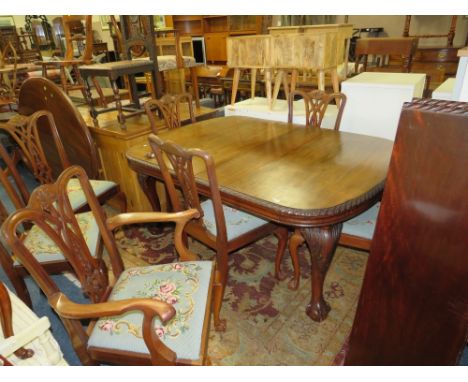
(322, 242)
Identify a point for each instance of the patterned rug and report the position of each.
(266, 322)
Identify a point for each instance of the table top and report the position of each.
(284, 172)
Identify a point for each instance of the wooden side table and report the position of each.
(114, 70)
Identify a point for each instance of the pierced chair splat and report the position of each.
(222, 228)
(169, 108)
(316, 103)
(161, 313)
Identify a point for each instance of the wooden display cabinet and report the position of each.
(215, 29)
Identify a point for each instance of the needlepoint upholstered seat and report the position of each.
(183, 285)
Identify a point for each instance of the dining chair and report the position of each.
(356, 232)
(67, 67)
(25, 339)
(169, 108)
(222, 228)
(148, 315)
(26, 133)
(9, 79)
(316, 103)
(16, 196)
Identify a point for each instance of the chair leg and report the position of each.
(18, 282)
(219, 287)
(121, 200)
(282, 234)
(296, 240)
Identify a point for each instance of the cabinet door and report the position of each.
(215, 44)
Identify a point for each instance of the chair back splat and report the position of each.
(169, 107)
(316, 103)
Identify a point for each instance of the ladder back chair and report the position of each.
(148, 315)
(222, 228)
(49, 255)
(356, 232)
(169, 108)
(26, 131)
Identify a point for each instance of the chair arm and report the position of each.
(69, 309)
(180, 218)
(159, 352)
(151, 217)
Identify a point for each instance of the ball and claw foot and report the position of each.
(318, 311)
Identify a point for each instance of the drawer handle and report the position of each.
(442, 55)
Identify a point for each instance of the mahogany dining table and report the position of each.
(307, 178)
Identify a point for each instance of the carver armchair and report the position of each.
(148, 315)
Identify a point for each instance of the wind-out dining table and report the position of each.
(311, 179)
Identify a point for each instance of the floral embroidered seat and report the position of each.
(237, 222)
(362, 225)
(183, 285)
(45, 250)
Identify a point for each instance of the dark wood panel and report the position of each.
(413, 308)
